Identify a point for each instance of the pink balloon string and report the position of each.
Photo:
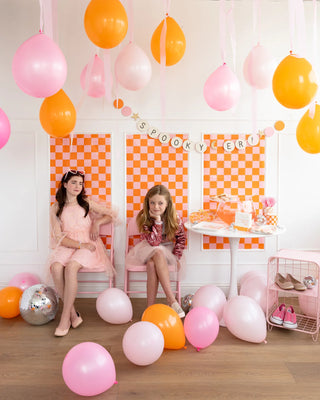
(256, 19)
(163, 36)
(107, 74)
(226, 24)
(130, 21)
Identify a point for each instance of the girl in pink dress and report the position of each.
(75, 221)
(163, 241)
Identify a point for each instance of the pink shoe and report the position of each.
(278, 315)
(290, 319)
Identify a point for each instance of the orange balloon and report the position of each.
(58, 115)
(294, 82)
(175, 42)
(168, 321)
(106, 23)
(9, 302)
(308, 132)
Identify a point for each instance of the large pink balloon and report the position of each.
(256, 288)
(39, 66)
(251, 274)
(132, 67)
(259, 67)
(93, 84)
(114, 306)
(24, 280)
(245, 319)
(201, 327)
(143, 343)
(212, 297)
(88, 369)
(5, 128)
(222, 89)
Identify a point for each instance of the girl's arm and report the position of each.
(180, 243)
(101, 215)
(153, 237)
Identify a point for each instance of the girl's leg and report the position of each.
(162, 271)
(152, 283)
(69, 294)
(57, 272)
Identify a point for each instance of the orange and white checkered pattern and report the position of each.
(91, 154)
(151, 163)
(239, 173)
(272, 219)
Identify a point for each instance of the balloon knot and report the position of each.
(198, 348)
(115, 382)
(265, 342)
(185, 347)
(290, 52)
(40, 30)
(167, 15)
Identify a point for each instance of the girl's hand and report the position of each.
(94, 231)
(89, 246)
(156, 217)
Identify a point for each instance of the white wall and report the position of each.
(291, 174)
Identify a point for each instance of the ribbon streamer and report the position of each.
(226, 24)
(297, 20)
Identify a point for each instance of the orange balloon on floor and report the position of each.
(58, 115)
(106, 23)
(169, 323)
(294, 82)
(308, 132)
(9, 302)
(175, 42)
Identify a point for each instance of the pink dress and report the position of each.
(74, 225)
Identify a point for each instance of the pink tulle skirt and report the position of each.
(143, 251)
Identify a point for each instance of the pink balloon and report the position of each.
(5, 128)
(143, 343)
(222, 89)
(309, 305)
(88, 369)
(256, 288)
(93, 84)
(201, 327)
(259, 67)
(251, 274)
(114, 306)
(212, 297)
(39, 66)
(245, 319)
(24, 280)
(132, 67)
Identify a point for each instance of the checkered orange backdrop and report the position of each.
(239, 173)
(151, 163)
(91, 153)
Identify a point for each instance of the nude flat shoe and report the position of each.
(77, 321)
(297, 284)
(61, 332)
(282, 282)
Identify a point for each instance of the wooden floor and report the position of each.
(286, 367)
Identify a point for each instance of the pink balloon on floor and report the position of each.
(5, 129)
(212, 297)
(88, 369)
(24, 280)
(39, 66)
(245, 319)
(143, 343)
(114, 306)
(94, 84)
(256, 288)
(259, 67)
(222, 89)
(201, 327)
(133, 67)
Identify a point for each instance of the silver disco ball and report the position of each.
(186, 302)
(39, 304)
